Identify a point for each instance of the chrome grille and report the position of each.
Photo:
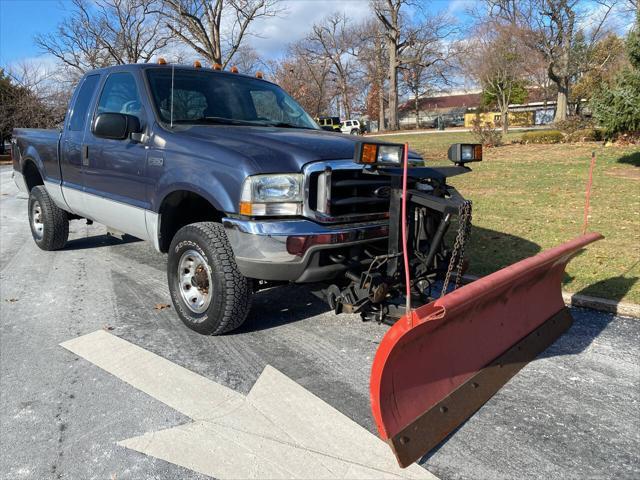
(340, 191)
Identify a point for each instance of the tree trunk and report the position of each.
(345, 100)
(561, 105)
(505, 121)
(381, 126)
(417, 109)
(393, 85)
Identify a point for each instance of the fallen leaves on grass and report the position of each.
(162, 306)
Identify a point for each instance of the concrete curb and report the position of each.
(602, 304)
(585, 301)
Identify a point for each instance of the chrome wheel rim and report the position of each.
(37, 225)
(194, 276)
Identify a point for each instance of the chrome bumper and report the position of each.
(263, 249)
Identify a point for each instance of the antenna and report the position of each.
(173, 71)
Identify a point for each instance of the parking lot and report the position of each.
(572, 413)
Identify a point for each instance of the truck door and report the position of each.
(72, 147)
(114, 174)
(116, 168)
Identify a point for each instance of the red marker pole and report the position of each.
(585, 223)
(407, 277)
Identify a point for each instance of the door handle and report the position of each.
(85, 155)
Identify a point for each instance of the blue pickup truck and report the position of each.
(222, 171)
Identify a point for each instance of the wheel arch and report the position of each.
(31, 173)
(180, 208)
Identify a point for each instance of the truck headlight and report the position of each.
(278, 194)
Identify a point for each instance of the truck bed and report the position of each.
(38, 143)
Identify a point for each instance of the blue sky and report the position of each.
(20, 20)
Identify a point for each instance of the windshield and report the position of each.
(212, 98)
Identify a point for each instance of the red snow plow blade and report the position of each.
(433, 370)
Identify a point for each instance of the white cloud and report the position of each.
(276, 33)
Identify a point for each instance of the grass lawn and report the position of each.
(531, 197)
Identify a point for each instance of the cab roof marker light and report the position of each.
(217, 66)
(161, 61)
(259, 75)
(234, 69)
(197, 64)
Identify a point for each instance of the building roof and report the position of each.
(467, 100)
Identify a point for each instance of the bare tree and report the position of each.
(555, 28)
(497, 63)
(106, 32)
(26, 101)
(388, 13)
(374, 63)
(429, 61)
(216, 29)
(336, 41)
(248, 61)
(46, 85)
(305, 78)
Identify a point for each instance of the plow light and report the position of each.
(379, 153)
(461, 153)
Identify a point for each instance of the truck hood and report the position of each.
(272, 149)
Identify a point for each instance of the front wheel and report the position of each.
(355, 131)
(208, 291)
(49, 223)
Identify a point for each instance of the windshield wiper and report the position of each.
(215, 120)
(285, 125)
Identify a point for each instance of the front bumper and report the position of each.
(295, 250)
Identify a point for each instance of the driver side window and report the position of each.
(120, 95)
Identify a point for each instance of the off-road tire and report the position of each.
(231, 291)
(54, 220)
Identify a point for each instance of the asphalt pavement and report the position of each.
(572, 413)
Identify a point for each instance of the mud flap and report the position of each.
(436, 367)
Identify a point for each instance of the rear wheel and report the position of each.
(208, 291)
(49, 223)
(355, 131)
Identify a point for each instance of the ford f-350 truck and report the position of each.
(230, 177)
(225, 173)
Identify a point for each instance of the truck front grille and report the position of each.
(343, 194)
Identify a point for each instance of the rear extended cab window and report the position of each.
(78, 114)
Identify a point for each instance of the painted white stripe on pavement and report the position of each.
(181, 389)
(280, 430)
(319, 427)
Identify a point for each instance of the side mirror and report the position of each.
(115, 126)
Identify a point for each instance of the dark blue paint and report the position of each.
(210, 160)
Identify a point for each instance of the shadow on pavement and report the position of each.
(294, 302)
(98, 241)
